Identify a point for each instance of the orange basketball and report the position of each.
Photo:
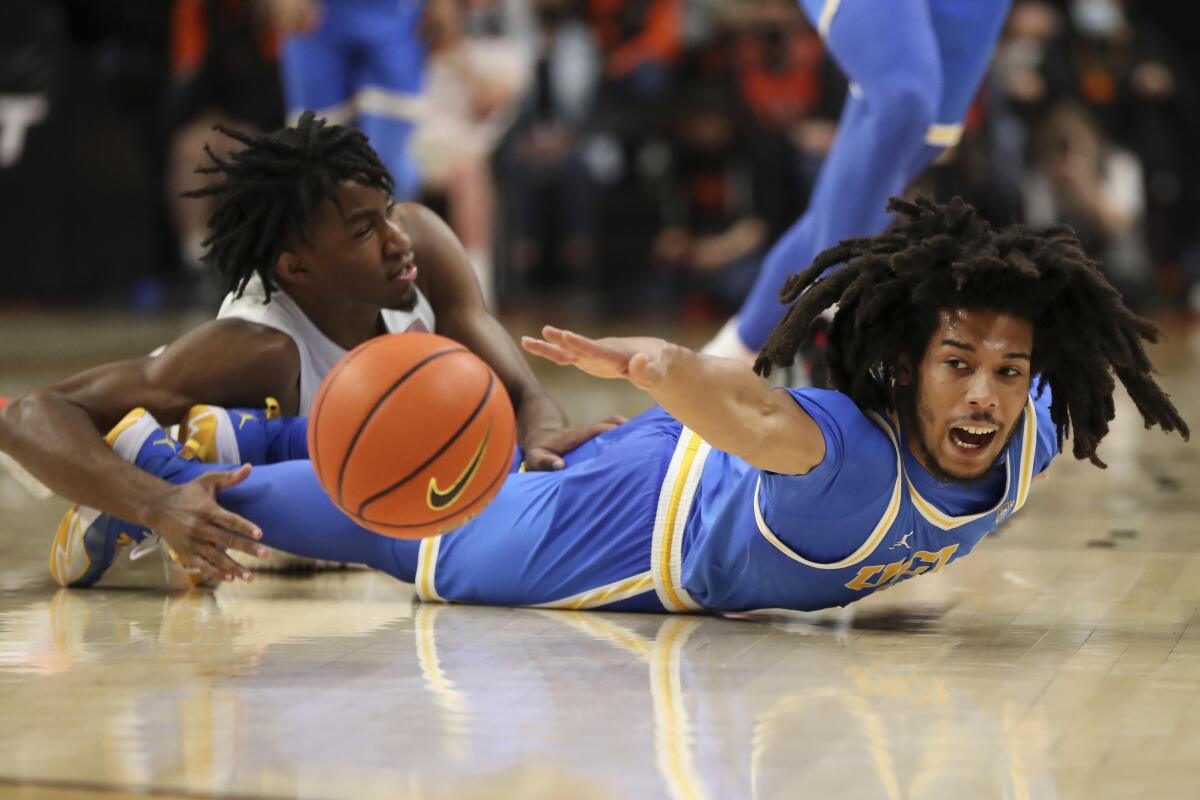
(411, 434)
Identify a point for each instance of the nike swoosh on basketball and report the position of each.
(439, 499)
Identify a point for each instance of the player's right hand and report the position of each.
(641, 360)
(199, 530)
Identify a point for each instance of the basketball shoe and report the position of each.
(244, 436)
(89, 542)
(230, 436)
(728, 344)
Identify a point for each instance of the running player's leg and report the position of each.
(891, 57)
(966, 33)
(314, 71)
(388, 81)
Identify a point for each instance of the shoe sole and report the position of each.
(69, 549)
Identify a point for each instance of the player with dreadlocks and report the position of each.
(961, 358)
(889, 299)
(317, 259)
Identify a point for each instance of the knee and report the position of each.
(906, 104)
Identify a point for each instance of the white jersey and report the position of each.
(318, 353)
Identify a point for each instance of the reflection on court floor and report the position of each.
(1061, 660)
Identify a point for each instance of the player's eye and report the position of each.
(362, 233)
(1010, 372)
(956, 363)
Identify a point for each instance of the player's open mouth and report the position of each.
(406, 273)
(968, 438)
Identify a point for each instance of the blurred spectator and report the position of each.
(474, 78)
(794, 93)
(1081, 178)
(639, 40)
(33, 47)
(1021, 54)
(625, 151)
(548, 193)
(81, 85)
(713, 238)
(1127, 76)
(1015, 93)
(224, 70)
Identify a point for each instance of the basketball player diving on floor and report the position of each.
(316, 259)
(961, 358)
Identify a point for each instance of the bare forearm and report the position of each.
(536, 411)
(719, 398)
(719, 250)
(57, 442)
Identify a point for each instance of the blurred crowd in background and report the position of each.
(641, 154)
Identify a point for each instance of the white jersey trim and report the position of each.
(872, 541)
(674, 503)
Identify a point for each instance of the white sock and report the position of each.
(728, 344)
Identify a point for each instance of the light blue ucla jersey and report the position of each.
(867, 517)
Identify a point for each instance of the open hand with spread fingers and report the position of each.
(641, 360)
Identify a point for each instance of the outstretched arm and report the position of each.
(721, 399)
(56, 434)
(453, 290)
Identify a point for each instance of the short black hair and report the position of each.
(271, 188)
(891, 288)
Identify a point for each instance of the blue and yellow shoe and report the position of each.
(229, 436)
(219, 435)
(89, 542)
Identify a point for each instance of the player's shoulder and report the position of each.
(237, 344)
(850, 433)
(422, 224)
(228, 361)
(836, 406)
(444, 273)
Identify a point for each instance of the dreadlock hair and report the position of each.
(891, 287)
(271, 189)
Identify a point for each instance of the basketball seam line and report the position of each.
(487, 392)
(374, 408)
(318, 403)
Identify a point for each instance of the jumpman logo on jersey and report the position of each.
(903, 542)
(245, 417)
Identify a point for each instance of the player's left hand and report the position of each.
(637, 359)
(544, 449)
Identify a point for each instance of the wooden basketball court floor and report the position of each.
(1062, 659)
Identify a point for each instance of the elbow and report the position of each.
(6, 424)
(780, 439)
(757, 434)
(15, 413)
(21, 411)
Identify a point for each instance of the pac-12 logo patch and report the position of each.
(1005, 511)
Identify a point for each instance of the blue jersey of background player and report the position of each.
(733, 496)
